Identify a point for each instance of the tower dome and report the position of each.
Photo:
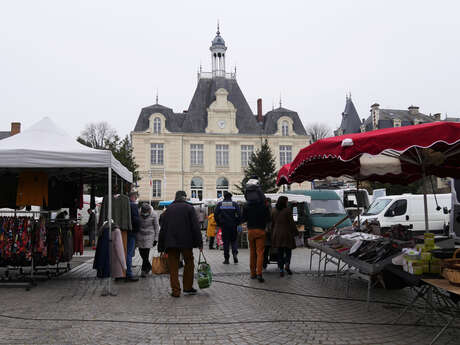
(218, 50)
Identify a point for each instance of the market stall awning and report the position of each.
(283, 175)
(396, 155)
(45, 145)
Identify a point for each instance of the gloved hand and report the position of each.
(155, 243)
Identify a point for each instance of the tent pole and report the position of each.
(109, 207)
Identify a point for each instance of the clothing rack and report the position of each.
(28, 280)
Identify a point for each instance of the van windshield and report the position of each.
(328, 207)
(377, 206)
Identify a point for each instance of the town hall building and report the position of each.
(205, 149)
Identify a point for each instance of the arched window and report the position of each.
(221, 186)
(196, 188)
(285, 129)
(157, 125)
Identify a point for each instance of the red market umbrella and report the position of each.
(396, 155)
(283, 175)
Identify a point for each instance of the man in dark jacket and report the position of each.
(228, 217)
(256, 214)
(131, 237)
(179, 234)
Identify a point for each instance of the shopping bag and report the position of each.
(204, 273)
(160, 264)
(299, 241)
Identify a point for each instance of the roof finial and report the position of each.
(280, 100)
(156, 98)
(349, 95)
(273, 103)
(218, 28)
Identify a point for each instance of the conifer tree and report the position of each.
(261, 165)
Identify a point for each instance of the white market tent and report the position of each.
(45, 145)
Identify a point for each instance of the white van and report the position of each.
(408, 210)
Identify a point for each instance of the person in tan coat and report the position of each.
(284, 231)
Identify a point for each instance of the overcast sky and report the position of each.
(86, 61)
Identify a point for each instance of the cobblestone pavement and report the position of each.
(234, 310)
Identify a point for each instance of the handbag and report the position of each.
(204, 273)
(160, 264)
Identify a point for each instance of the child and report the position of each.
(211, 230)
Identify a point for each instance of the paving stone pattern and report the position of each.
(234, 310)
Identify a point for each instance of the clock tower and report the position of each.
(221, 115)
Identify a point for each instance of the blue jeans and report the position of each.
(284, 258)
(130, 247)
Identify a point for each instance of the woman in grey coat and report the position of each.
(147, 237)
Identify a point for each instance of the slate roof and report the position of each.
(351, 123)
(195, 119)
(4, 134)
(386, 117)
(272, 117)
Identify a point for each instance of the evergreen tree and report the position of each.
(261, 165)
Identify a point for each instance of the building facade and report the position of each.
(205, 149)
(381, 118)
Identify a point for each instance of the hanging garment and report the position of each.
(117, 264)
(121, 212)
(32, 189)
(8, 186)
(78, 239)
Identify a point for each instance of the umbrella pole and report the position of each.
(425, 201)
(357, 203)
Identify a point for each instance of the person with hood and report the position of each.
(256, 215)
(284, 232)
(212, 227)
(147, 236)
(179, 234)
(228, 216)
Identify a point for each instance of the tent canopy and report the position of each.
(45, 145)
(398, 155)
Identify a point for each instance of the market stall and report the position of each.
(45, 167)
(395, 155)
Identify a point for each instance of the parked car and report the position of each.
(408, 210)
(354, 201)
(325, 210)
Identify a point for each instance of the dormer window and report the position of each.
(157, 125)
(285, 129)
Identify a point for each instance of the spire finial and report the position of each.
(156, 98)
(280, 100)
(218, 27)
(349, 95)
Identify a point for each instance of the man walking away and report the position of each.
(131, 237)
(228, 217)
(179, 234)
(256, 214)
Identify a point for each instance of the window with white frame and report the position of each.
(222, 155)
(196, 188)
(246, 154)
(156, 188)
(157, 125)
(156, 154)
(196, 154)
(285, 128)
(285, 154)
(221, 186)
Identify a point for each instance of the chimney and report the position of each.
(259, 110)
(413, 110)
(375, 106)
(15, 128)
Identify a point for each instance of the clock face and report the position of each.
(221, 123)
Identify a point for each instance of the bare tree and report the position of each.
(97, 135)
(318, 131)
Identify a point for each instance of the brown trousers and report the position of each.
(256, 239)
(189, 267)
